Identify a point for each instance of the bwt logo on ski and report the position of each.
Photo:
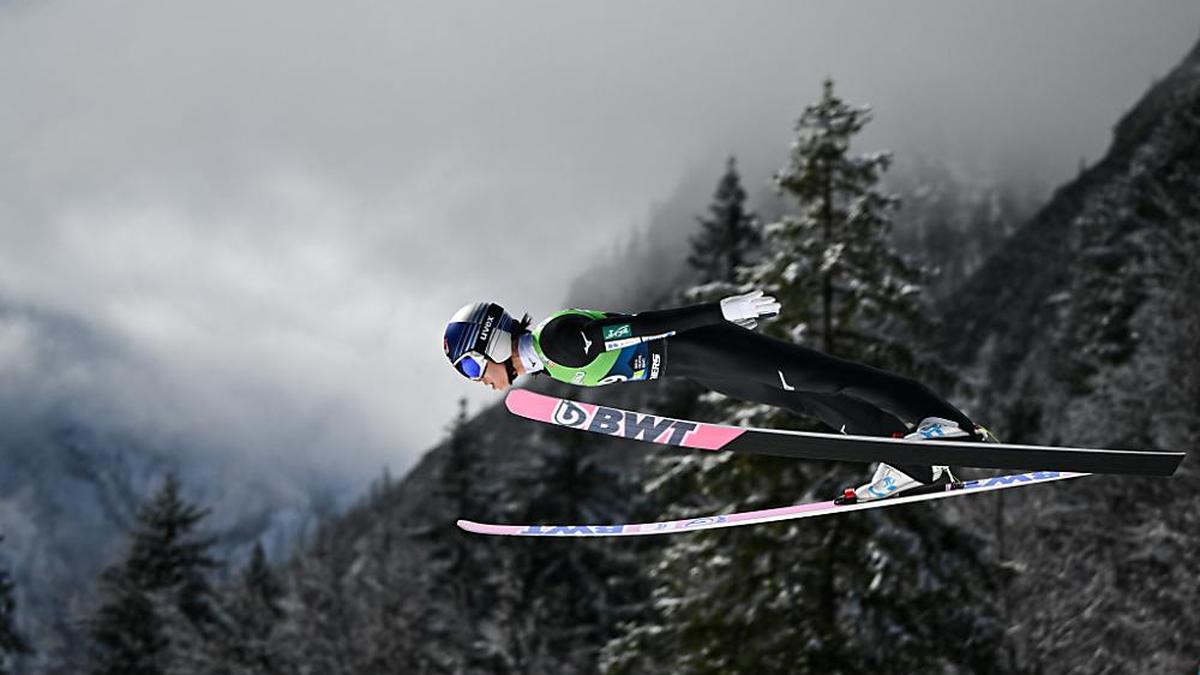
(622, 423)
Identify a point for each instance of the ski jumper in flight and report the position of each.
(715, 345)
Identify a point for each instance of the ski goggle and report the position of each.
(471, 365)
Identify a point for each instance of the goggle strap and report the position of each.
(494, 313)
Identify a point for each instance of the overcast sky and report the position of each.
(270, 208)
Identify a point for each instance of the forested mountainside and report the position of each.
(1082, 226)
(1084, 330)
(71, 478)
(1081, 329)
(75, 479)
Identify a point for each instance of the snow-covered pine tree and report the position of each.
(12, 642)
(255, 613)
(463, 577)
(354, 608)
(728, 234)
(262, 591)
(827, 595)
(563, 598)
(844, 288)
(729, 240)
(444, 644)
(320, 630)
(160, 587)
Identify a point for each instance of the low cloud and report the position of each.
(250, 221)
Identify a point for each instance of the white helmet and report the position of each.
(480, 329)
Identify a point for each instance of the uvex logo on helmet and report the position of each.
(487, 328)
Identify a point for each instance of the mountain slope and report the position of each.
(71, 478)
(1073, 331)
(1083, 329)
(1004, 308)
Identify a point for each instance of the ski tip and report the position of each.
(531, 405)
(485, 528)
(513, 399)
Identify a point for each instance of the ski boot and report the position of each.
(937, 428)
(888, 481)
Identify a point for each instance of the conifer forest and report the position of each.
(209, 386)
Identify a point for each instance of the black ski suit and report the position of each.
(699, 344)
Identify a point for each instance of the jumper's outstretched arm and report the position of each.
(621, 330)
(617, 332)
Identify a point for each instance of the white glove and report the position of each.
(745, 310)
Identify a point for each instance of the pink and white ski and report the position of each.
(765, 515)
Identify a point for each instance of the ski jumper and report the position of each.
(591, 348)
